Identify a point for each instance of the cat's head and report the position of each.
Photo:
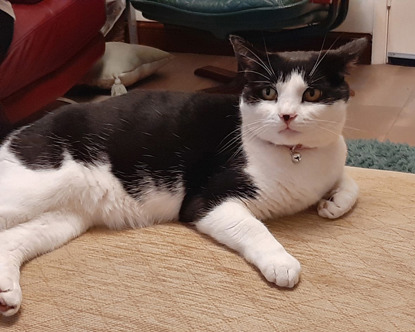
(295, 98)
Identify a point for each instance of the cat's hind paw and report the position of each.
(10, 297)
(282, 269)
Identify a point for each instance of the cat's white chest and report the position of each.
(285, 186)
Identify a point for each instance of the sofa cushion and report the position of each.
(45, 38)
(130, 63)
(358, 275)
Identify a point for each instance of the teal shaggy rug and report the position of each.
(381, 155)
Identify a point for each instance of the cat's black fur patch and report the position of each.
(164, 137)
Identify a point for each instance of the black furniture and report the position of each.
(256, 20)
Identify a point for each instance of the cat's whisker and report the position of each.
(235, 154)
(257, 73)
(328, 130)
(316, 80)
(255, 124)
(262, 64)
(234, 141)
(355, 129)
(335, 122)
(321, 120)
(322, 58)
(268, 59)
(248, 134)
(249, 129)
(319, 55)
(237, 131)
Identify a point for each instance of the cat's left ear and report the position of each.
(350, 53)
(245, 52)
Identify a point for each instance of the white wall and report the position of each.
(401, 37)
(369, 16)
(360, 17)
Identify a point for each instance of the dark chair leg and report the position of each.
(232, 82)
(216, 73)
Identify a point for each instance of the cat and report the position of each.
(221, 162)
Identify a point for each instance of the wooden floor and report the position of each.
(383, 108)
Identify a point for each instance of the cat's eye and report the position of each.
(312, 95)
(269, 93)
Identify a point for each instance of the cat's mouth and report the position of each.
(288, 131)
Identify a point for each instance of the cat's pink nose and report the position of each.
(288, 117)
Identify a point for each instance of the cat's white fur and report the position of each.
(284, 187)
(42, 210)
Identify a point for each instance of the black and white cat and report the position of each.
(221, 162)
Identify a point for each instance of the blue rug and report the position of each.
(381, 155)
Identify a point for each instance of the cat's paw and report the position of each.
(10, 296)
(281, 269)
(336, 205)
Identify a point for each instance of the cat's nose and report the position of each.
(288, 117)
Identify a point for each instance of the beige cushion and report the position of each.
(128, 62)
(358, 275)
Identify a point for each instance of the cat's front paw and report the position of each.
(10, 296)
(281, 269)
(337, 205)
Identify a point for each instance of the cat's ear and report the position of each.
(350, 53)
(352, 50)
(245, 52)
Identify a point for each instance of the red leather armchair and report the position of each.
(54, 44)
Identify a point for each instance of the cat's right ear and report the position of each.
(245, 52)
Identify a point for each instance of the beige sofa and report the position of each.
(358, 275)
